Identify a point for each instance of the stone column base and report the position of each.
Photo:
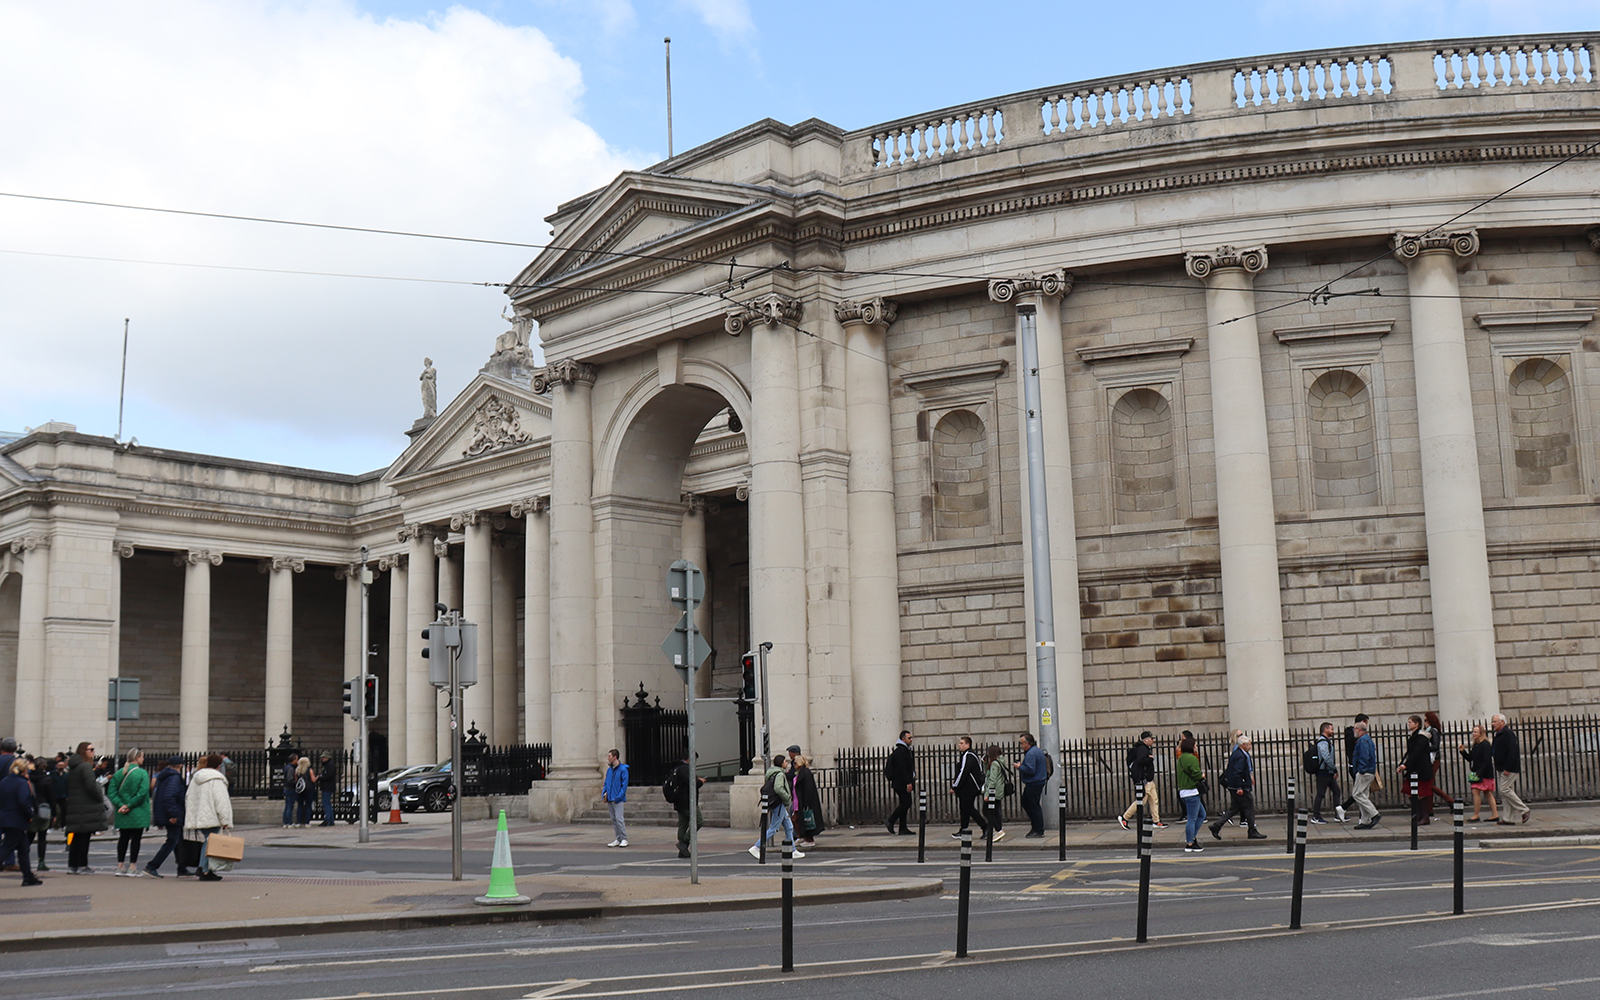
(562, 800)
(744, 801)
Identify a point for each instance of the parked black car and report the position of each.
(430, 792)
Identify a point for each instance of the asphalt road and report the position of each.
(1377, 924)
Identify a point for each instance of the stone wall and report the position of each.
(1153, 654)
(151, 646)
(963, 664)
(1547, 632)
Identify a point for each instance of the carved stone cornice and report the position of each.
(465, 519)
(1410, 246)
(876, 311)
(1053, 284)
(388, 564)
(278, 564)
(123, 550)
(1252, 260)
(530, 505)
(27, 543)
(771, 309)
(496, 424)
(194, 557)
(567, 371)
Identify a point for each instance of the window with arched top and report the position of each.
(1542, 419)
(1344, 442)
(960, 477)
(1143, 455)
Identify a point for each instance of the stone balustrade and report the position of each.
(1239, 89)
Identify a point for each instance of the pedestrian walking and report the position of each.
(1508, 770)
(901, 770)
(805, 802)
(17, 810)
(41, 775)
(1239, 779)
(305, 790)
(166, 814)
(327, 781)
(775, 786)
(1435, 736)
(996, 776)
(8, 752)
(968, 786)
(614, 790)
(1350, 754)
(1141, 761)
(86, 810)
(291, 798)
(1480, 776)
(1364, 762)
(207, 810)
(129, 792)
(1189, 776)
(1418, 761)
(1327, 776)
(1033, 771)
(676, 790)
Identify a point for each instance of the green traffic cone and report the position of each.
(502, 879)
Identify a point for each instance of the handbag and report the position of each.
(1203, 787)
(1472, 776)
(225, 848)
(43, 812)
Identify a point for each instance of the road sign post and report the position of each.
(452, 656)
(686, 587)
(122, 702)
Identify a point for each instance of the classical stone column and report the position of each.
(395, 697)
(477, 576)
(420, 747)
(450, 595)
(1452, 492)
(504, 645)
(1041, 295)
(1252, 613)
(694, 550)
(535, 618)
(279, 710)
(194, 684)
(34, 551)
(777, 511)
(573, 721)
(874, 554)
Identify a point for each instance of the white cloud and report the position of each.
(729, 19)
(306, 110)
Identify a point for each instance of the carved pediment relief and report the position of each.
(490, 417)
(495, 425)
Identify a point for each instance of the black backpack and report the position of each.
(672, 789)
(1311, 761)
(888, 766)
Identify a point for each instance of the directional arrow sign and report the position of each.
(677, 646)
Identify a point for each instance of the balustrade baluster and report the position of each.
(922, 142)
(1055, 115)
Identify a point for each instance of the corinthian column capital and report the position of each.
(278, 564)
(530, 505)
(1252, 260)
(1053, 284)
(194, 557)
(466, 518)
(567, 371)
(876, 311)
(1410, 246)
(441, 548)
(398, 561)
(771, 309)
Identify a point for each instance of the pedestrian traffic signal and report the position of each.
(747, 667)
(372, 696)
(438, 636)
(349, 698)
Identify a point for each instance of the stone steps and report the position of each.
(646, 807)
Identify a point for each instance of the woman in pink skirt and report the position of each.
(1480, 758)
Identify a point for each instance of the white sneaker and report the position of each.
(755, 852)
(796, 854)
(999, 835)
(1339, 812)
(622, 843)
(614, 843)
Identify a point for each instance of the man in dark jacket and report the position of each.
(86, 809)
(1418, 764)
(290, 798)
(327, 778)
(901, 770)
(1142, 772)
(1508, 768)
(1239, 780)
(680, 778)
(16, 814)
(166, 813)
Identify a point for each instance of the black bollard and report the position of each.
(762, 830)
(988, 837)
(922, 827)
(1061, 803)
(1461, 851)
(788, 905)
(1288, 834)
(965, 895)
(1416, 811)
(1299, 868)
(1146, 836)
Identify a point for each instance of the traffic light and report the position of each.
(437, 649)
(747, 667)
(349, 698)
(372, 696)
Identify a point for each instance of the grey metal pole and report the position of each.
(688, 704)
(364, 832)
(1044, 616)
(766, 716)
(668, 42)
(456, 777)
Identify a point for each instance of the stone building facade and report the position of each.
(1318, 384)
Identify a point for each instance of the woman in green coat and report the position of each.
(1190, 774)
(994, 784)
(86, 809)
(129, 790)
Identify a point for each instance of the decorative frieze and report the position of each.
(194, 557)
(567, 371)
(876, 311)
(771, 310)
(1409, 246)
(278, 564)
(1049, 283)
(531, 505)
(1252, 260)
(496, 424)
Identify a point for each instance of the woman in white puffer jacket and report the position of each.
(207, 809)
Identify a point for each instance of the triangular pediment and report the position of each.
(490, 419)
(633, 213)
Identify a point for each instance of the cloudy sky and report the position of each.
(467, 120)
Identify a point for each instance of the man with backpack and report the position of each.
(901, 770)
(1142, 771)
(675, 789)
(1033, 770)
(290, 793)
(1319, 762)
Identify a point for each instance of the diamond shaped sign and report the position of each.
(677, 647)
